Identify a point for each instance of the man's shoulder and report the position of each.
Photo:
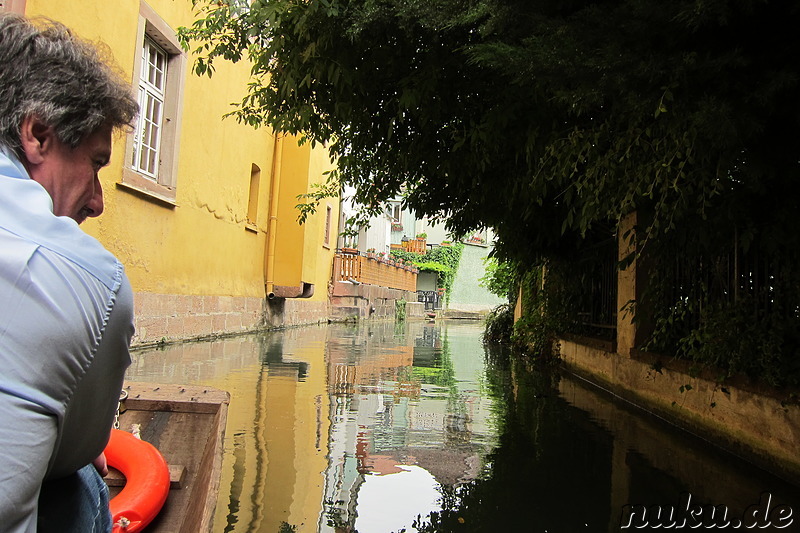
(80, 252)
(15, 250)
(59, 236)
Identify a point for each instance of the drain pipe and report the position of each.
(269, 257)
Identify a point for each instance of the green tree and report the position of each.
(500, 278)
(543, 119)
(547, 120)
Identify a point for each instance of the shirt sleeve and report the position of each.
(90, 413)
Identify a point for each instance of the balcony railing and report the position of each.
(415, 245)
(350, 265)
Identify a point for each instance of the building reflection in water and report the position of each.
(401, 406)
(276, 436)
(318, 414)
(363, 427)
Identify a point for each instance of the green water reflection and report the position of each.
(381, 427)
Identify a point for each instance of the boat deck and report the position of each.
(187, 425)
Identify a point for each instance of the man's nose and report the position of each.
(95, 203)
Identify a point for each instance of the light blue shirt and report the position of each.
(66, 320)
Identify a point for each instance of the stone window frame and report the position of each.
(13, 6)
(163, 186)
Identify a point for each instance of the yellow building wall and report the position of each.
(277, 440)
(290, 243)
(201, 245)
(302, 255)
(177, 256)
(278, 429)
(318, 252)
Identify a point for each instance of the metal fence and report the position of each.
(431, 299)
(596, 276)
(729, 278)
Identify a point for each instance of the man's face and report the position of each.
(70, 175)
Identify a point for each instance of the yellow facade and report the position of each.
(195, 254)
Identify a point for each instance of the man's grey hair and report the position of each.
(47, 72)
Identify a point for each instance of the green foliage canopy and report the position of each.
(545, 119)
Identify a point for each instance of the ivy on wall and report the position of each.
(442, 259)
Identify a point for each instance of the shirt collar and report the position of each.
(10, 166)
(26, 210)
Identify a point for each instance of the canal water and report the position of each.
(384, 427)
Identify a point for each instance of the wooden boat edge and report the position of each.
(199, 515)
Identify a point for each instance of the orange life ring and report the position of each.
(147, 481)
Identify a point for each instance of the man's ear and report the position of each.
(37, 139)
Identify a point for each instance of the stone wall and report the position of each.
(172, 317)
(415, 310)
(350, 300)
(291, 312)
(163, 318)
(756, 424)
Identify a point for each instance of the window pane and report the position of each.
(152, 83)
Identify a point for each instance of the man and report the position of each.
(66, 311)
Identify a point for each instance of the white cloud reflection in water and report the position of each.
(391, 502)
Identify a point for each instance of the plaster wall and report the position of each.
(318, 252)
(467, 293)
(291, 237)
(436, 231)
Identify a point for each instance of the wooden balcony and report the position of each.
(350, 265)
(418, 246)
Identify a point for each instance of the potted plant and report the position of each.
(371, 253)
(422, 236)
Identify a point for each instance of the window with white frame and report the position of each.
(328, 222)
(152, 86)
(151, 156)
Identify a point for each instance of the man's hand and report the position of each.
(101, 465)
